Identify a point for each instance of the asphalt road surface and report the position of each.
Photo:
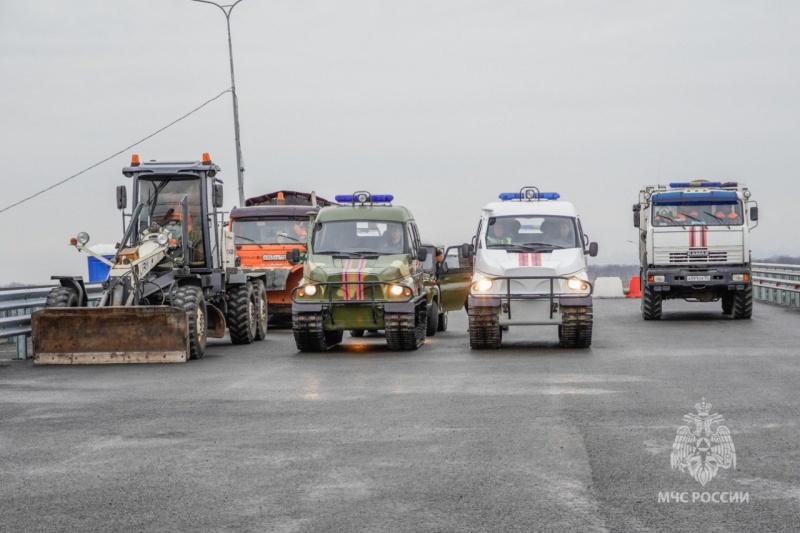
(527, 438)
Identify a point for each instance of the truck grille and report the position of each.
(686, 256)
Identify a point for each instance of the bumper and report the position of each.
(695, 280)
(366, 315)
(530, 310)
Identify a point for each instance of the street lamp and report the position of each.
(226, 9)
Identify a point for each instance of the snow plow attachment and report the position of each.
(108, 335)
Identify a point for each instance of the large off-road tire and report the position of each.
(575, 330)
(310, 336)
(62, 297)
(433, 320)
(406, 331)
(651, 303)
(357, 333)
(484, 328)
(442, 322)
(242, 313)
(262, 311)
(190, 299)
(743, 303)
(727, 303)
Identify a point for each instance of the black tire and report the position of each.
(262, 310)
(357, 333)
(727, 304)
(62, 297)
(190, 299)
(484, 328)
(743, 303)
(309, 335)
(242, 310)
(651, 303)
(575, 330)
(406, 331)
(433, 320)
(442, 322)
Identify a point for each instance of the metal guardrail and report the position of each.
(16, 306)
(775, 283)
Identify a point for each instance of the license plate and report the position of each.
(698, 278)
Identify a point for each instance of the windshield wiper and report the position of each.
(531, 244)
(718, 218)
(247, 239)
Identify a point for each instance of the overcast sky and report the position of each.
(443, 103)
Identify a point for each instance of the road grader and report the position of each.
(172, 283)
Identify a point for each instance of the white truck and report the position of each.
(695, 244)
(530, 269)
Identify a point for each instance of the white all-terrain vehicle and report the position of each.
(530, 269)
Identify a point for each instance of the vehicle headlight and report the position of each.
(740, 277)
(83, 237)
(577, 284)
(308, 290)
(396, 290)
(162, 239)
(482, 285)
(656, 279)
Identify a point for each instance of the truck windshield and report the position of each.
(540, 233)
(697, 213)
(162, 197)
(359, 237)
(270, 230)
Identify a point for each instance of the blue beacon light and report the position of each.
(363, 198)
(687, 184)
(539, 196)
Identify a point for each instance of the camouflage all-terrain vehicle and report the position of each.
(362, 272)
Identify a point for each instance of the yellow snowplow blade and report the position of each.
(106, 335)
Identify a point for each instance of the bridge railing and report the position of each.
(16, 306)
(775, 283)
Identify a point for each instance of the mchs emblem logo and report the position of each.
(703, 446)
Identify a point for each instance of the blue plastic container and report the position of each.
(98, 271)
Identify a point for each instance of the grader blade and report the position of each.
(107, 335)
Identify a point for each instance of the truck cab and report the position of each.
(264, 231)
(695, 245)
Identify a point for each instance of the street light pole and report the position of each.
(226, 9)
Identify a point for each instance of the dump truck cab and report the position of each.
(362, 271)
(530, 269)
(264, 231)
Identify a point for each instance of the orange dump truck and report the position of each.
(265, 229)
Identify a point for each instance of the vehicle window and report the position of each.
(697, 213)
(510, 231)
(352, 236)
(270, 231)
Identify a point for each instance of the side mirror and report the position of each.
(636, 209)
(217, 195)
(122, 197)
(422, 254)
(293, 256)
(592, 249)
(754, 213)
(466, 250)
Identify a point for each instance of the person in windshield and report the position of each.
(498, 233)
(663, 216)
(728, 214)
(394, 243)
(559, 233)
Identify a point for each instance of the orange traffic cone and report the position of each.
(635, 288)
